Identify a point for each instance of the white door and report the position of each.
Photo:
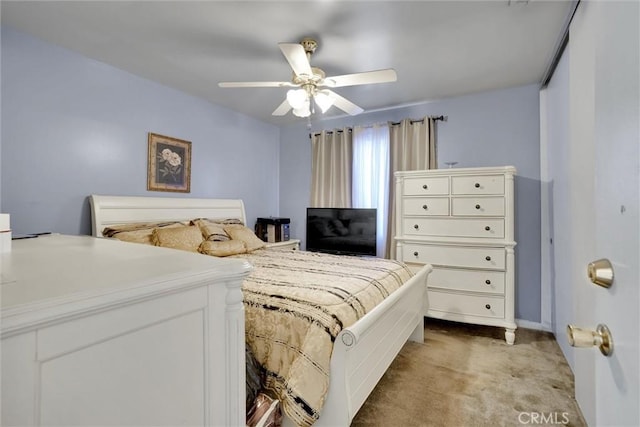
(604, 88)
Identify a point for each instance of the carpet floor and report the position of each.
(466, 375)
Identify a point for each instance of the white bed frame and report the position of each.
(361, 353)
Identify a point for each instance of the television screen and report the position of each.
(342, 231)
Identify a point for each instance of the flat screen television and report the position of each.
(342, 231)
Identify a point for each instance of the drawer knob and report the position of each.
(477, 206)
(477, 185)
(416, 226)
(488, 258)
(488, 306)
(415, 253)
(424, 207)
(488, 282)
(425, 186)
(487, 228)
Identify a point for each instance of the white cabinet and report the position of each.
(101, 332)
(461, 221)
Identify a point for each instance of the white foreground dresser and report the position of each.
(101, 332)
(462, 222)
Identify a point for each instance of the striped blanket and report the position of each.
(296, 303)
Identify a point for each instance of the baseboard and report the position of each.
(528, 324)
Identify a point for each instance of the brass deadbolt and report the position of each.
(600, 272)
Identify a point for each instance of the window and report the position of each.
(370, 175)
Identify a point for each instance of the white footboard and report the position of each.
(363, 352)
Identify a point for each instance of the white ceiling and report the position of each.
(439, 49)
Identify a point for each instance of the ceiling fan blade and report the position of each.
(369, 77)
(256, 84)
(282, 109)
(344, 104)
(297, 58)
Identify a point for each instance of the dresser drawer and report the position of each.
(426, 186)
(477, 206)
(454, 227)
(486, 281)
(471, 305)
(454, 256)
(426, 206)
(477, 184)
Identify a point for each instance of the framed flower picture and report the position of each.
(169, 164)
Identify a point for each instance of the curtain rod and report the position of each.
(436, 118)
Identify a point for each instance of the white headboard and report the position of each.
(111, 210)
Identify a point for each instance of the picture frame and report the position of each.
(169, 164)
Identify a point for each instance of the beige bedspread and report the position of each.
(296, 303)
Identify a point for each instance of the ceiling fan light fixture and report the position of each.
(307, 83)
(324, 100)
(297, 98)
(304, 110)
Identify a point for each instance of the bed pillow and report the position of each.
(224, 221)
(211, 230)
(137, 233)
(186, 238)
(246, 235)
(229, 247)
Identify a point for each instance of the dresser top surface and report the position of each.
(511, 170)
(72, 268)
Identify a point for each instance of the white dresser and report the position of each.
(101, 332)
(461, 221)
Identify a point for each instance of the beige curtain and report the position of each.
(331, 169)
(413, 147)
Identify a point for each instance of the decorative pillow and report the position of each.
(230, 247)
(224, 221)
(186, 238)
(246, 235)
(211, 230)
(137, 233)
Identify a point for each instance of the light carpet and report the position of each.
(466, 375)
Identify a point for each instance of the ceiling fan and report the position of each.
(310, 86)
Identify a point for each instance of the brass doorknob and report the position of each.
(600, 272)
(582, 338)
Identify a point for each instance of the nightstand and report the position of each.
(286, 245)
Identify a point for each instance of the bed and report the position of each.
(361, 351)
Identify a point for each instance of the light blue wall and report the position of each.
(488, 129)
(72, 126)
